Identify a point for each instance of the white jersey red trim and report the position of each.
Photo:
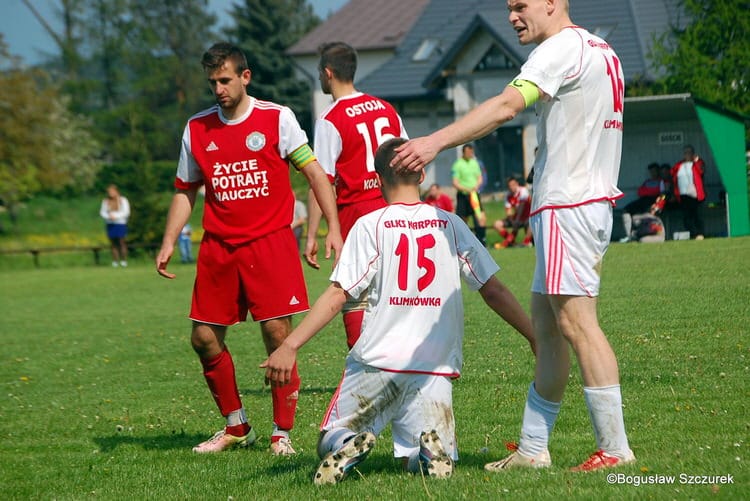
(411, 259)
(580, 125)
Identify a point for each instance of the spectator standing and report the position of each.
(300, 218)
(687, 176)
(185, 243)
(115, 210)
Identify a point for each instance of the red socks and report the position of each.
(353, 326)
(219, 374)
(285, 402)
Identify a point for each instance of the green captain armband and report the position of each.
(302, 156)
(528, 90)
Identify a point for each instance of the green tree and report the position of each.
(43, 146)
(710, 56)
(264, 30)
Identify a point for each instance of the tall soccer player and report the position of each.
(240, 150)
(412, 257)
(347, 135)
(576, 82)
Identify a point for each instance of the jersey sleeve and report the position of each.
(328, 146)
(550, 64)
(188, 172)
(477, 266)
(291, 135)
(359, 259)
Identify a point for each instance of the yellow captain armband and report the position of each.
(528, 90)
(302, 156)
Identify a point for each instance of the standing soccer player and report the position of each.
(576, 81)
(240, 150)
(412, 257)
(347, 135)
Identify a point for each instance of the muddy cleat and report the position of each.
(518, 460)
(282, 447)
(337, 465)
(435, 462)
(222, 441)
(600, 460)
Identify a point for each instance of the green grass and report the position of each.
(103, 397)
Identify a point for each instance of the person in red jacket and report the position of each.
(648, 192)
(688, 189)
(438, 198)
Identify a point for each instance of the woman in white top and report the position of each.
(115, 210)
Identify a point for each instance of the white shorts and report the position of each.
(570, 245)
(368, 399)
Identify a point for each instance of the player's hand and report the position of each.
(311, 253)
(162, 260)
(279, 365)
(415, 154)
(334, 243)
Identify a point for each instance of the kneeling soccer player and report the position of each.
(410, 256)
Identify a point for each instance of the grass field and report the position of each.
(103, 396)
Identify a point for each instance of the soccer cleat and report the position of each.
(222, 441)
(435, 462)
(518, 460)
(337, 465)
(600, 460)
(282, 447)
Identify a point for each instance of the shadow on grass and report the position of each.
(153, 442)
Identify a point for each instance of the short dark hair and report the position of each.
(215, 57)
(653, 165)
(689, 147)
(340, 58)
(389, 175)
(466, 147)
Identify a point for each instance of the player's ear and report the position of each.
(246, 76)
(421, 176)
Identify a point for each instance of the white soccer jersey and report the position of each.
(411, 259)
(580, 126)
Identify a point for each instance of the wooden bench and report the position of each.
(95, 249)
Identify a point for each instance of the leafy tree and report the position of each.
(264, 30)
(710, 56)
(43, 146)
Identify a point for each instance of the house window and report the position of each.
(425, 49)
(495, 59)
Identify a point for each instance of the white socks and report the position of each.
(333, 440)
(605, 410)
(539, 418)
(237, 417)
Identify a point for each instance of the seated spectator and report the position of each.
(517, 209)
(437, 198)
(648, 192)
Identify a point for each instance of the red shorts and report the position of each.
(263, 276)
(348, 214)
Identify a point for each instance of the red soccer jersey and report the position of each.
(514, 200)
(346, 137)
(243, 165)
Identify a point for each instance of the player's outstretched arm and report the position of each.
(479, 122)
(324, 195)
(504, 303)
(279, 364)
(178, 216)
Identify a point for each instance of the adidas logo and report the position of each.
(293, 301)
(212, 147)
